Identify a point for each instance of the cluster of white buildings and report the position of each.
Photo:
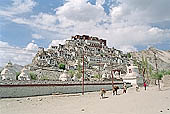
(98, 59)
(95, 51)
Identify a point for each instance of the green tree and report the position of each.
(44, 78)
(146, 68)
(143, 62)
(157, 76)
(97, 76)
(62, 66)
(79, 73)
(135, 62)
(71, 73)
(33, 76)
(17, 74)
(129, 55)
(150, 70)
(167, 72)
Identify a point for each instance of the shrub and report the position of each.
(167, 72)
(129, 55)
(62, 66)
(97, 76)
(78, 75)
(33, 76)
(71, 73)
(17, 74)
(157, 76)
(44, 78)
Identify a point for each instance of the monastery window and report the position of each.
(130, 70)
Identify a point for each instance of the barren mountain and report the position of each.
(161, 57)
(15, 67)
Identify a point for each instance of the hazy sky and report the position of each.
(128, 25)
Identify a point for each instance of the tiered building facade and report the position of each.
(95, 51)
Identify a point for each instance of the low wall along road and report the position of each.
(25, 89)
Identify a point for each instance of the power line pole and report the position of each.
(112, 78)
(83, 76)
(156, 65)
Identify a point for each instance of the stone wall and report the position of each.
(20, 90)
(166, 81)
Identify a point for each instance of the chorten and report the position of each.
(24, 75)
(8, 73)
(64, 77)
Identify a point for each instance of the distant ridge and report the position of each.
(163, 57)
(15, 67)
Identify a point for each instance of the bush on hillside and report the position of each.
(33, 76)
(62, 66)
(17, 74)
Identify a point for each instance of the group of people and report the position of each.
(115, 89)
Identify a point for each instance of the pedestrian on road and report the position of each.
(115, 88)
(144, 85)
(102, 93)
(124, 88)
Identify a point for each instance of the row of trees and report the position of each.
(148, 72)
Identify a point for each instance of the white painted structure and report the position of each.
(74, 78)
(24, 75)
(133, 76)
(104, 76)
(64, 77)
(8, 73)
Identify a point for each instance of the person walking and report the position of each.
(102, 93)
(115, 89)
(145, 85)
(124, 88)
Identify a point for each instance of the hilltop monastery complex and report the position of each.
(99, 60)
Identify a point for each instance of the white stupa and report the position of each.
(64, 77)
(8, 73)
(104, 76)
(24, 75)
(133, 76)
(108, 76)
(74, 78)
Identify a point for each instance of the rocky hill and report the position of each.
(16, 67)
(162, 57)
(1, 68)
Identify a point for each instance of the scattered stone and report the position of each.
(18, 100)
(161, 111)
(28, 98)
(168, 109)
(82, 110)
(40, 99)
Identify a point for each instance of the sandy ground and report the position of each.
(151, 101)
